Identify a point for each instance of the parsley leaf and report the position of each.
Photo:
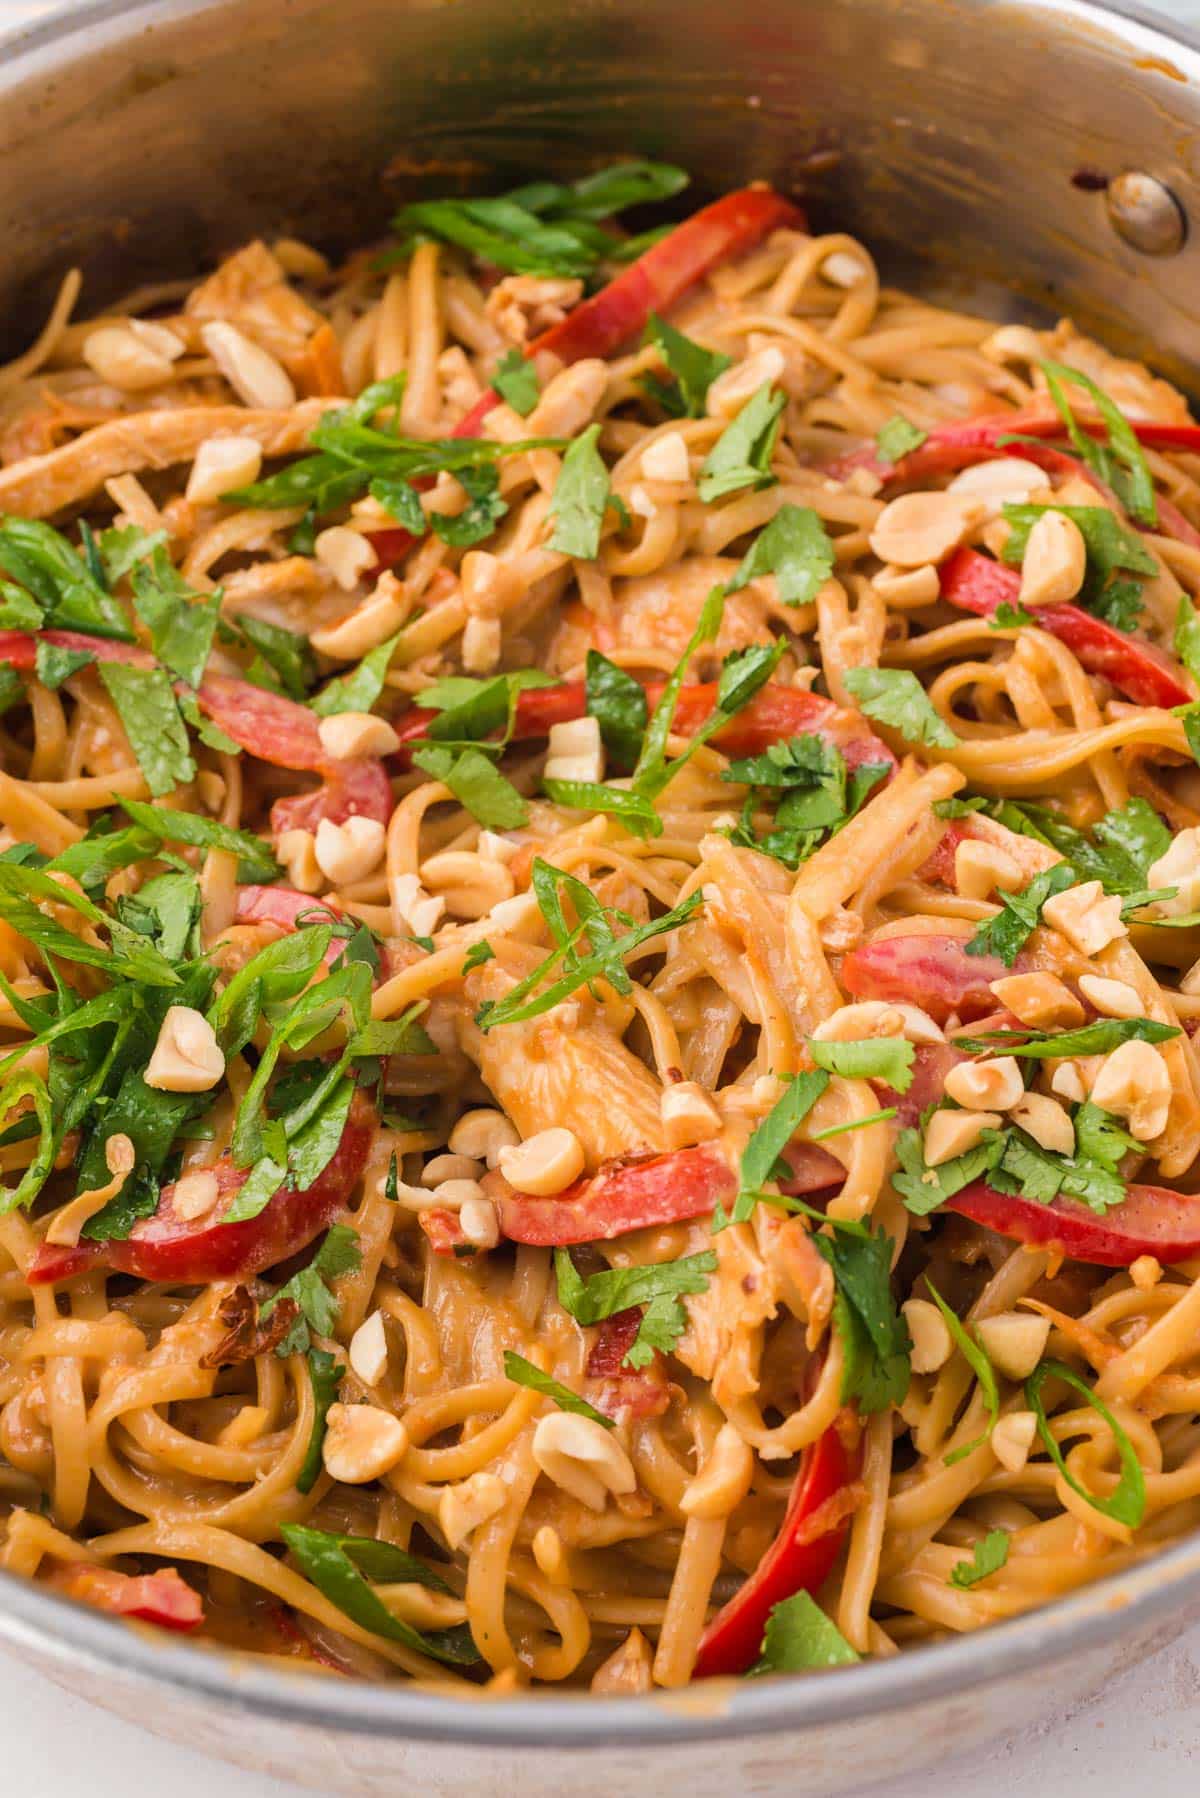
(796, 549)
(987, 1557)
(150, 718)
(799, 1637)
(895, 696)
(358, 690)
(1128, 1503)
(886, 1058)
(181, 623)
(897, 439)
(309, 1291)
(693, 367)
(524, 1373)
(515, 380)
(618, 703)
(741, 456)
(1007, 933)
(476, 783)
(579, 499)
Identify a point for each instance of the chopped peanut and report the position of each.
(907, 586)
(930, 1335)
(924, 527)
(545, 1163)
(368, 1351)
(473, 1501)
(731, 390)
(347, 735)
(1134, 1083)
(1179, 867)
(187, 1057)
(1008, 481)
(979, 868)
(951, 1133)
(988, 1085)
(878, 1017)
(195, 1194)
(1088, 918)
(1012, 1439)
(296, 849)
(576, 751)
(253, 373)
(350, 851)
(688, 1115)
(628, 1671)
(222, 465)
(1015, 1341)
(1113, 998)
(362, 1443)
(666, 459)
(583, 1458)
(482, 1134)
(346, 553)
(1055, 561)
(367, 626)
(1045, 1120)
(1042, 1001)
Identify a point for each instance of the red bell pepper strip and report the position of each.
(931, 1063)
(193, 1251)
(796, 1561)
(1144, 673)
(661, 1189)
(264, 724)
(1151, 1221)
(163, 1598)
(934, 972)
(773, 715)
(621, 1391)
(620, 312)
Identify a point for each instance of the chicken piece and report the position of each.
(723, 1341)
(44, 485)
(1133, 388)
(523, 306)
(660, 612)
(565, 1067)
(251, 291)
(297, 593)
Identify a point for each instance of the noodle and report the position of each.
(533, 923)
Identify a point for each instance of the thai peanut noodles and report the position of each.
(599, 914)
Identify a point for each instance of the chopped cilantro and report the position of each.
(1006, 934)
(693, 368)
(524, 1373)
(579, 499)
(896, 697)
(800, 1637)
(741, 456)
(897, 439)
(515, 380)
(987, 1557)
(796, 549)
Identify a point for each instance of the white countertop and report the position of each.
(1143, 1732)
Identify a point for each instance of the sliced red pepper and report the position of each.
(19, 648)
(1145, 674)
(660, 1189)
(193, 1251)
(1152, 1220)
(163, 1597)
(797, 1561)
(357, 789)
(621, 1391)
(774, 715)
(283, 906)
(620, 312)
(934, 972)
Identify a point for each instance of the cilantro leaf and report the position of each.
(796, 549)
(41, 560)
(286, 653)
(1187, 636)
(741, 456)
(479, 517)
(987, 1557)
(895, 696)
(876, 1346)
(924, 1188)
(325, 1372)
(693, 367)
(255, 860)
(150, 718)
(1007, 933)
(309, 1290)
(800, 1637)
(579, 499)
(332, 1563)
(1090, 1039)
(897, 438)
(1010, 618)
(636, 812)
(618, 703)
(657, 1286)
(515, 380)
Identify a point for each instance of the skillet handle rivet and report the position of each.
(1146, 214)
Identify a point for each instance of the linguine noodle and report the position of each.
(565, 1173)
